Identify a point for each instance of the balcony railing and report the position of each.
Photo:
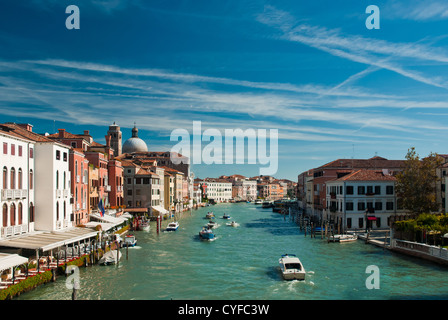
(13, 230)
(10, 194)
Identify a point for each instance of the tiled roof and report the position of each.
(367, 175)
(372, 163)
(23, 133)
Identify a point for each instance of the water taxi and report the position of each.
(212, 224)
(226, 216)
(172, 226)
(129, 241)
(291, 267)
(206, 233)
(210, 215)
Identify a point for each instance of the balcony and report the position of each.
(10, 231)
(11, 194)
(58, 193)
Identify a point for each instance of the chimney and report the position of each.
(86, 132)
(107, 140)
(61, 133)
(26, 126)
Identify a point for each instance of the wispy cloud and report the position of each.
(376, 53)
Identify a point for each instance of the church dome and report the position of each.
(134, 144)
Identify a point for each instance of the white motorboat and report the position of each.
(110, 257)
(258, 201)
(343, 238)
(226, 216)
(129, 241)
(210, 215)
(172, 226)
(291, 267)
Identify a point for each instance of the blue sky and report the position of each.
(310, 69)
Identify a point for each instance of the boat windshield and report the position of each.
(293, 266)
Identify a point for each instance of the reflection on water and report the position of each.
(242, 263)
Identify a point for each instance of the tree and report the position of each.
(416, 184)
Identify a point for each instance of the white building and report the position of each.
(218, 190)
(363, 198)
(17, 184)
(51, 175)
(249, 188)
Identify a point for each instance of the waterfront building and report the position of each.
(312, 183)
(219, 190)
(169, 191)
(17, 183)
(79, 168)
(52, 180)
(362, 198)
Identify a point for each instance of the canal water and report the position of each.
(242, 264)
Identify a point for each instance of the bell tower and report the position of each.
(115, 139)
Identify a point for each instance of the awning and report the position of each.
(371, 218)
(104, 225)
(160, 209)
(46, 240)
(11, 260)
(108, 219)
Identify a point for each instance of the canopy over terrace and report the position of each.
(8, 261)
(46, 241)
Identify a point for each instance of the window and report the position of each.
(20, 151)
(5, 178)
(361, 206)
(12, 213)
(349, 206)
(369, 190)
(73, 144)
(31, 153)
(58, 155)
(12, 178)
(20, 213)
(361, 190)
(349, 223)
(138, 181)
(378, 206)
(5, 215)
(65, 156)
(349, 190)
(377, 189)
(31, 212)
(13, 149)
(389, 189)
(57, 179)
(130, 192)
(19, 179)
(389, 205)
(129, 180)
(378, 222)
(360, 222)
(5, 148)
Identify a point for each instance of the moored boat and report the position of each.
(110, 257)
(129, 241)
(267, 204)
(343, 238)
(258, 201)
(291, 267)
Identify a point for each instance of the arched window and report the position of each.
(31, 212)
(19, 179)
(64, 179)
(5, 215)
(20, 213)
(5, 178)
(12, 178)
(57, 211)
(31, 179)
(65, 213)
(12, 213)
(57, 179)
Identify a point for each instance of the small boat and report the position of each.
(129, 241)
(291, 267)
(172, 226)
(212, 224)
(226, 216)
(210, 215)
(143, 225)
(267, 204)
(258, 201)
(343, 238)
(233, 224)
(110, 257)
(206, 233)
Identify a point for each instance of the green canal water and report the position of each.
(242, 264)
